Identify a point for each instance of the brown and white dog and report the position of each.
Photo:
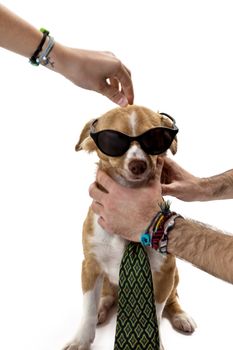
(103, 251)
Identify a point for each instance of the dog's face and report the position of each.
(135, 166)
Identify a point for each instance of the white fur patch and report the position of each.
(133, 122)
(109, 250)
(86, 331)
(159, 312)
(92, 297)
(184, 322)
(156, 259)
(135, 151)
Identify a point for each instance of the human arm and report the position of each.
(187, 187)
(207, 248)
(93, 70)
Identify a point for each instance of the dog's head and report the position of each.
(128, 141)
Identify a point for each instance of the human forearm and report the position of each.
(207, 248)
(217, 187)
(21, 37)
(16, 34)
(99, 71)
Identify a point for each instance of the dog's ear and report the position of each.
(167, 122)
(85, 142)
(173, 146)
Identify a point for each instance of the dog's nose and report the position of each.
(137, 167)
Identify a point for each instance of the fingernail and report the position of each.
(123, 102)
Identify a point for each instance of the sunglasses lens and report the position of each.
(115, 144)
(157, 140)
(112, 143)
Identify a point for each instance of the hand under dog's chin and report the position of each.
(128, 180)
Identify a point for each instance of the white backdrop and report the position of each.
(180, 54)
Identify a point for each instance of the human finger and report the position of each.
(171, 171)
(168, 190)
(104, 180)
(115, 83)
(159, 168)
(127, 69)
(114, 94)
(95, 193)
(96, 207)
(102, 223)
(170, 165)
(124, 77)
(109, 53)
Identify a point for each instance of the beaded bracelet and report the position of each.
(33, 59)
(156, 234)
(168, 225)
(43, 57)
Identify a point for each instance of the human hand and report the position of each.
(126, 211)
(92, 70)
(95, 70)
(180, 183)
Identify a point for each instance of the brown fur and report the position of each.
(166, 280)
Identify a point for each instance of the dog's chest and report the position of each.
(109, 250)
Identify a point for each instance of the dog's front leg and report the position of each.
(92, 281)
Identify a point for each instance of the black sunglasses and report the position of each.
(154, 141)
